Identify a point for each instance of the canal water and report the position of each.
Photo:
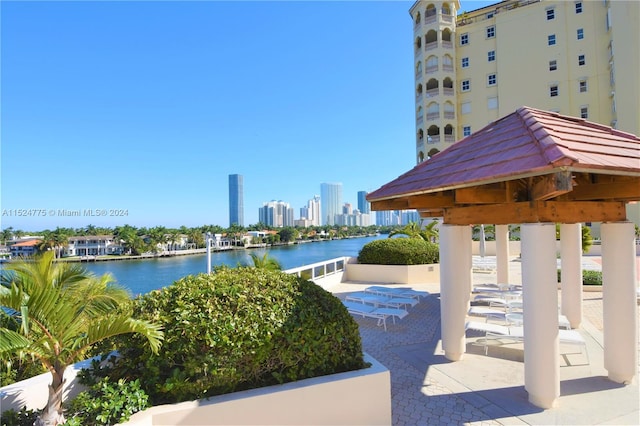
(142, 276)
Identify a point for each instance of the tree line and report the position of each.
(138, 240)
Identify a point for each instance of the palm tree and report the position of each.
(7, 233)
(431, 232)
(414, 230)
(59, 310)
(265, 262)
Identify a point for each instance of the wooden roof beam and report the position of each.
(481, 195)
(551, 186)
(627, 189)
(537, 212)
(431, 201)
(395, 204)
(431, 213)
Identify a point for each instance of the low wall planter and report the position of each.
(361, 397)
(392, 274)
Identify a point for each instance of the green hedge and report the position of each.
(238, 329)
(399, 251)
(589, 277)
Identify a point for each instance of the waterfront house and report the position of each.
(24, 248)
(93, 245)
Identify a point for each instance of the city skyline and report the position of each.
(106, 112)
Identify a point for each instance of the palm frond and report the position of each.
(11, 341)
(117, 325)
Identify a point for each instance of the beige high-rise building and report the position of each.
(577, 58)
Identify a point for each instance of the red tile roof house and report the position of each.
(25, 248)
(534, 168)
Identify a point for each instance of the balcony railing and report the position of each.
(431, 69)
(418, 75)
(449, 115)
(419, 98)
(433, 115)
(417, 26)
(433, 139)
(433, 92)
(447, 18)
(446, 67)
(320, 269)
(447, 44)
(431, 45)
(419, 119)
(448, 91)
(430, 19)
(449, 138)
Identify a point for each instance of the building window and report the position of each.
(490, 15)
(466, 85)
(578, 7)
(465, 108)
(583, 86)
(580, 33)
(553, 65)
(551, 40)
(551, 14)
(584, 112)
(466, 131)
(492, 103)
(581, 60)
(491, 31)
(491, 55)
(465, 62)
(491, 80)
(464, 39)
(553, 90)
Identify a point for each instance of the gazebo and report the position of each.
(534, 168)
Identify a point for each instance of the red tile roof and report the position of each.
(527, 142)
(29, 243)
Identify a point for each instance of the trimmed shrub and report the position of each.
(589, 277)
(107, 403)
(238, 329)
(399, 251)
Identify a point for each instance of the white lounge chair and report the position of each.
(381, 300)
(369, 311)
(510, 317)
(396, 292)
(516, 334)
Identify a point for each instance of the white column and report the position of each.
(502, 253)
(619, 308)
(455, 282)
(571, 261)
(540, 297)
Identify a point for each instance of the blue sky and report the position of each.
(149, 106)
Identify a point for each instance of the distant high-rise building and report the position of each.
(331, 197)
(408, 216)
(236, 200)
(276, 214)
(363, 205)
(365, 208)
(311, 212)
(388, 218)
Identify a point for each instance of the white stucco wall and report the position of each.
(353, 398)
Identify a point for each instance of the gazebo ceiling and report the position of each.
(529, 166)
